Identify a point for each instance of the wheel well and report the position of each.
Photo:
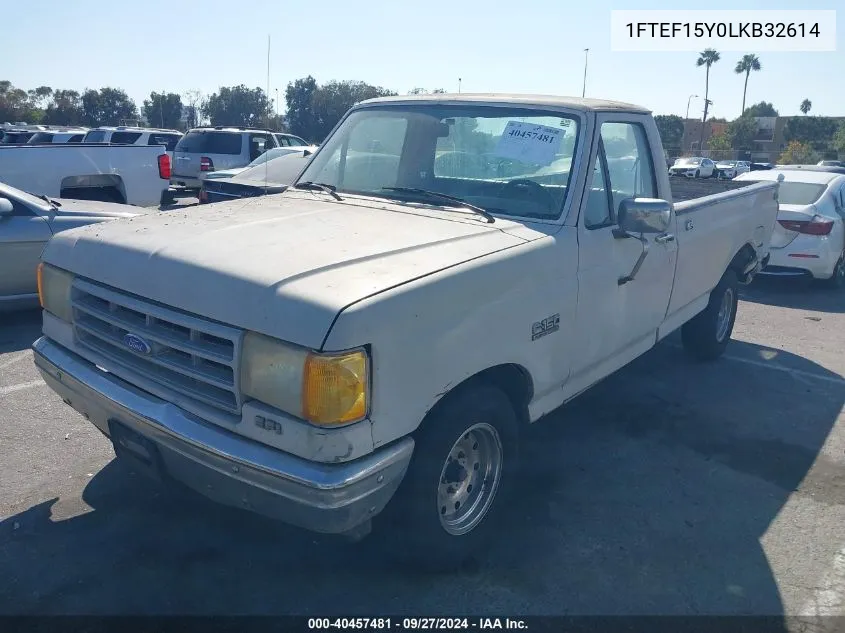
(85, 187)
(742, 260)
(514, 380)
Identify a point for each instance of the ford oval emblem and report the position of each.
(136, 344)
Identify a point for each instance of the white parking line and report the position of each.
(14, 359)
(828, 597)
(23, 385)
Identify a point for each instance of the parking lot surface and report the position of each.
(670, 488)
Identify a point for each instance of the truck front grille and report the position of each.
(185, 359)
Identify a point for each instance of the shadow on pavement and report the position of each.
(800, 294)
(649, 494)
(18, 330)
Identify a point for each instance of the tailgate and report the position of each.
(186, 164)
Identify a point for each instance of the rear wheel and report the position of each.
(707, 334)
(837, 280)
(697, 173)
(461, 474)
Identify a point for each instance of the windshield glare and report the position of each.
(511, 161)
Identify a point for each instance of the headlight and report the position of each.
(54, 285)
(325, 389)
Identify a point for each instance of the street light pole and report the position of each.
(691, 97)
(584, 88)
(459, 85)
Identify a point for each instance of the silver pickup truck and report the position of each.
(367, 347)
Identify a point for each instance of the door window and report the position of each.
(598, 212)
(629, 165)
(258, 144)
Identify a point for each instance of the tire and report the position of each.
(697, 173)
(420, 525)
(706, 335)
(837, 280)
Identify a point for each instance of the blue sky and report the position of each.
(529, 46)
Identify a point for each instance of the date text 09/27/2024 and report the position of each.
(749, 30)
(416, 624)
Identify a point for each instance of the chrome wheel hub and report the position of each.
(469, 479)
(723, 319)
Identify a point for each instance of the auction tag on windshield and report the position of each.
(529, 142)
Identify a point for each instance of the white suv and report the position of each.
(124, 135)
(206, 149)
(59, 135)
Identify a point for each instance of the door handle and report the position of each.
(666, 237)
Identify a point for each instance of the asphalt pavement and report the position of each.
(670, 488)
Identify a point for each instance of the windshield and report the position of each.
(801, 193)
(506, 160)
(95, 136)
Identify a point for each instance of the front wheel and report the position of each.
(697, 173)
(455, 491)
(706, 335)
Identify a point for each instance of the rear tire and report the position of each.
(697, 173)
(455, 492)
(706, 335)
(837, 280)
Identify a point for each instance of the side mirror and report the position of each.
(6, 207)
(644, 215)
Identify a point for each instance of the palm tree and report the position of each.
(707, 57)
(806, 104)
(745, 65)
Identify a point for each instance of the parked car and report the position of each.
(761, 166)
(126, 135)
(693, 167)
(831, 163)
(13, 136)
(368, 346)
(260, 180)
(290, 140)
(26, 223)
(268, 155)
(822, 168)
(131, 174)
(206, 149)
(732, 168)
(809, 238)
(66, 135)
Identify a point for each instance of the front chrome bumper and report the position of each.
(328, 498)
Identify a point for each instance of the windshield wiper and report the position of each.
(442, 196)
(319, 186)
(52, 203)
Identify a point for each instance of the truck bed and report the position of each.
(684, 189)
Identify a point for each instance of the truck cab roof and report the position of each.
(574, 103)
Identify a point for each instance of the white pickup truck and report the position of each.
(138, 175)
(367, 347)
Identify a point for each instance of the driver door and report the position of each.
(617, 320)
(23, 235)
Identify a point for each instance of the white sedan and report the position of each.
(809, 235)
(693, 167)
(732, 168)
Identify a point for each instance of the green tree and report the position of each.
(798, 153)
(741, 133)
(423, 91)
(299, 98)
(816, 131)
(238, 105)
(193, 101)
(671, 129)
(163, 110)
(805, 106)
(761, 109)
(838, 143)
(107, 106)
(65, 108)
(16, 105)
(745, 65)
(719, 142)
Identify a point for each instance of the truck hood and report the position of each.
(282, 265)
